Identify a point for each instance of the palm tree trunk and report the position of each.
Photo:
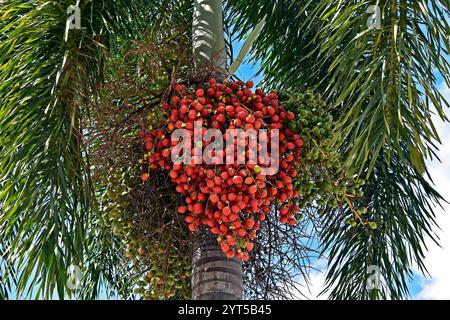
(214, 276)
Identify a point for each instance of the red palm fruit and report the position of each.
(231, 241)
(215, 230)
(283, 219)
(249, 246)
(149, 145)
(290, 115)
(249, 84)
(189, 219)
(249, 223)
(224, 175)
(241, 233)
(234, 217)
(237, 225)
(175, 99)
(248, 180)
(212, 82)
(218, 95)
(237, 180)
(215, 124)
(214, 198)
(291, 221)
(221, 118)
(240, 93)
(261, 217)
(166, 153)
(226, 211)
(225, 247)
(223, 227)
(192, 227)
(230, 254)
(228, 91)
(252, 189)
(192, 115)
(254, 203)
(184, 109)
(217, 181)
(299, 143)
(210, 173)
(198, 107)
(243, 256)
(201, 197)
(290, 146)
(200, 93)
(182, 209)
(189, 125)
(144, 176)
(235, 209)
(220, 109)
(198, 208)
(251, 119)
(210, 223)
(230, 110)
(248, 126)
(210, 92)
(210, 183)
(232, 196)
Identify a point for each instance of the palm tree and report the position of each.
(381, 83)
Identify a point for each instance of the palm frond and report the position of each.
(401, 202)
(47, 196)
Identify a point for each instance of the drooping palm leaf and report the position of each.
(46, 195)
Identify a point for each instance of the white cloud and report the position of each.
(311, 289)
(438, 258)
(317, 284)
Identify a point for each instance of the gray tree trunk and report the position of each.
(214, 276)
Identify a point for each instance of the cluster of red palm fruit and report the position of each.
(231, 199)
